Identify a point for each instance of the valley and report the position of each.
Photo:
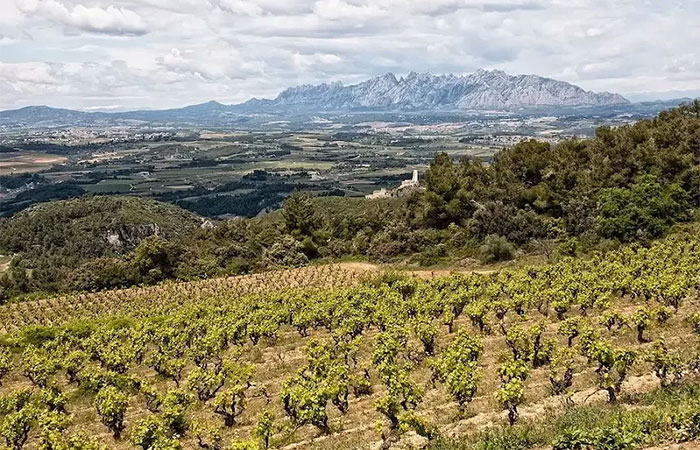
(222, 173)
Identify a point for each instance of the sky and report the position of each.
(152, 54)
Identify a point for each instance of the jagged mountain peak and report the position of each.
(481, 90)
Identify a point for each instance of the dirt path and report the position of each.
(420, 273)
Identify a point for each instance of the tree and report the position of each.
(206, 383)
(647, 207)
(561, 373)
(641, 320)
(458, 368)
(542, 348)
(38, 366)
(16, 425)
(519, 343)
(496, 248)
(111, 405)
(613, 366)
(304, 401)
(78, 441)
(167, 366)
(571, 328)
(73, 363)
(174, 408)
(411, 420)
(614, 319)
(264, 428)
(299, 214)
(208, 437)
(524, 163)
(445, 199)
(51, 426)
(5, 362)
(151, 433)
(54, 399)
(695, 323)
(156, 259)
(665, 363)
(427, 333)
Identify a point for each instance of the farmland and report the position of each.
(253, 172)
(330, 356)
(24, 162)
(223, 173)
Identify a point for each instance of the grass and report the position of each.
(110, 186)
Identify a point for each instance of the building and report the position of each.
(413, 182)
(407, 187)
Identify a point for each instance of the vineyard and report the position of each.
(154, 300)
(325, 357)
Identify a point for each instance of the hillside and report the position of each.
(601, 351)
(595, 346)
(627, 184)
(66, 233)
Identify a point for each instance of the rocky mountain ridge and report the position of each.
(482, 90)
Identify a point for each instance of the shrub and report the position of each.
(496, 248)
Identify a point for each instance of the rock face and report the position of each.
(482, 90)
(127, 237)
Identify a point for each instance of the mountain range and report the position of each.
(480, 92)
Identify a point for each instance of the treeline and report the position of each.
(627, 183)
(630, 183)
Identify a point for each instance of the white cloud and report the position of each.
(242, 7)
(342, 10)
(109, 20)
(166, 53)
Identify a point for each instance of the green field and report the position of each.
(259, 169)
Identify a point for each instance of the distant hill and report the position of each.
(418, 93)
(74, 230)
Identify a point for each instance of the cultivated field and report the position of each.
(23, 162)
(325, 357)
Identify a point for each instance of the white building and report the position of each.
(413, 182)
(406, 187)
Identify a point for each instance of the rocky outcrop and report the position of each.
(129, 236)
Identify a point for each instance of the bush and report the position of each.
(496, 248)
(648, 209)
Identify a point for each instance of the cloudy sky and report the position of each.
(124, 54)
